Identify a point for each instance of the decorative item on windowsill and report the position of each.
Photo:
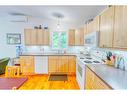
(46, 27)
(40, 27)
(35, 27)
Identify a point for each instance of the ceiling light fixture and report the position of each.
(58, 23)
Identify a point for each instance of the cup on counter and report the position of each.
(111, 62)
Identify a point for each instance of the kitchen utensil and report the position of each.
(109, 54)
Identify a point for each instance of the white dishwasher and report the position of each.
(41, 64)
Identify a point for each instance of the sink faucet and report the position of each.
(59, 51)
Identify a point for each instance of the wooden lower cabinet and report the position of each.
(52, 64)
(56, 64)
(72, 64)
(94, 82)
(27, 64)
(61, 64)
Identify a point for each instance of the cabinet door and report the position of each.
(71, 64)
(27, 36)
(46, 37)
(40, 36)
(120, 27)
(63, 64)
(33, 36)
(79, 37)
(89, 79)
(85, 31)
(81, 31)
(90, 27)
(71, 37)
(106, 27)
(27, 64)
(96, 24)
(53, 61)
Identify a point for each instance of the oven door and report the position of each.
(80, 71)
(80, 74)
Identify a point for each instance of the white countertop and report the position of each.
(48, 54)
(115, 78)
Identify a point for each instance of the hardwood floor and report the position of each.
(40, 82)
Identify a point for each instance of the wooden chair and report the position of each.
(12, 71)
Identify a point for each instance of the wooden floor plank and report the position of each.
(40, 82)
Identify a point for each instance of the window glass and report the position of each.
(63, 40)
(55, 40)
(59, 40)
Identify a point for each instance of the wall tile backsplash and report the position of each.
(48, 49)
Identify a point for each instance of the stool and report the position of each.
(12, 71)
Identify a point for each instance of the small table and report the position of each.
(12, 71)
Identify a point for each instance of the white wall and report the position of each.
(8, 50)
(10, 27)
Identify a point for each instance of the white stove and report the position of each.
(80, 68)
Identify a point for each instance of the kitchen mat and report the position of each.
(58, 77)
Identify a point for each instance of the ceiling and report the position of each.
(71, 15)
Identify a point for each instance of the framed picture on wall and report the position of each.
(13, 38)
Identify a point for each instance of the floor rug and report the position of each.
(10, 83)
(58, 77)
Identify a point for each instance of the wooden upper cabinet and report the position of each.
(40, 36)
(79, 37)
(33, 36)
(30, 36)
(120, 27)
(36, 37)
(90, 27)
(93, 26)
(96, 24)
(106, 27)
(46, 37)
(85, 31)
(27, 36)
(71, 37)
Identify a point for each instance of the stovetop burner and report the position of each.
(81, 58)
(87, 61)
(96, 61)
